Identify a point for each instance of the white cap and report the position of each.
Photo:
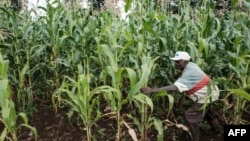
(181, 55)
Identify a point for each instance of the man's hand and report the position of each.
(146, 90)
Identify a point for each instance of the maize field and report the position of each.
(75, 74)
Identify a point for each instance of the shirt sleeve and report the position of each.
(181, 87)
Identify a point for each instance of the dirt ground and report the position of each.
(52, 126)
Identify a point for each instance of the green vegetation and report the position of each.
(8, 115)
(87, 60)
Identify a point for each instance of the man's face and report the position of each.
(180, 64)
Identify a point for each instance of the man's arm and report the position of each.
(149, 90)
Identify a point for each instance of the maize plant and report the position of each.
(8, 113)
(83, 100)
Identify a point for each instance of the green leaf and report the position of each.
(247, 4)
(170, 99)
(128, 5)
(146, 68)
(3, 134)
(144, 99)
(4, 90)
(241, 93)
(159, 128)
(4, 65)
(203, 45)
(132, 76)
(32, 129)
(234, 3)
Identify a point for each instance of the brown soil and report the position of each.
(52, 126)
(55, 126)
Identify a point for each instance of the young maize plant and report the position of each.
(82, 99)
(116, 73)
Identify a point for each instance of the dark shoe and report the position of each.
(215, 125)
(213, 121)
(195, 135)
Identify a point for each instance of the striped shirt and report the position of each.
(196, 84)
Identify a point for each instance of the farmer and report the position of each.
(196, 85)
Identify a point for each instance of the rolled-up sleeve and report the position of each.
(181, 87)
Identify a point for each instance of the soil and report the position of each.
(55, 126)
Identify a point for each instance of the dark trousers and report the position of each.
(194, 115)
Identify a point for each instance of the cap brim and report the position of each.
(175, 59)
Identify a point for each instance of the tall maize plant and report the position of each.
(142, 101)
(8, 113)
(12, 23)
(239, 66)
(115, 72)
